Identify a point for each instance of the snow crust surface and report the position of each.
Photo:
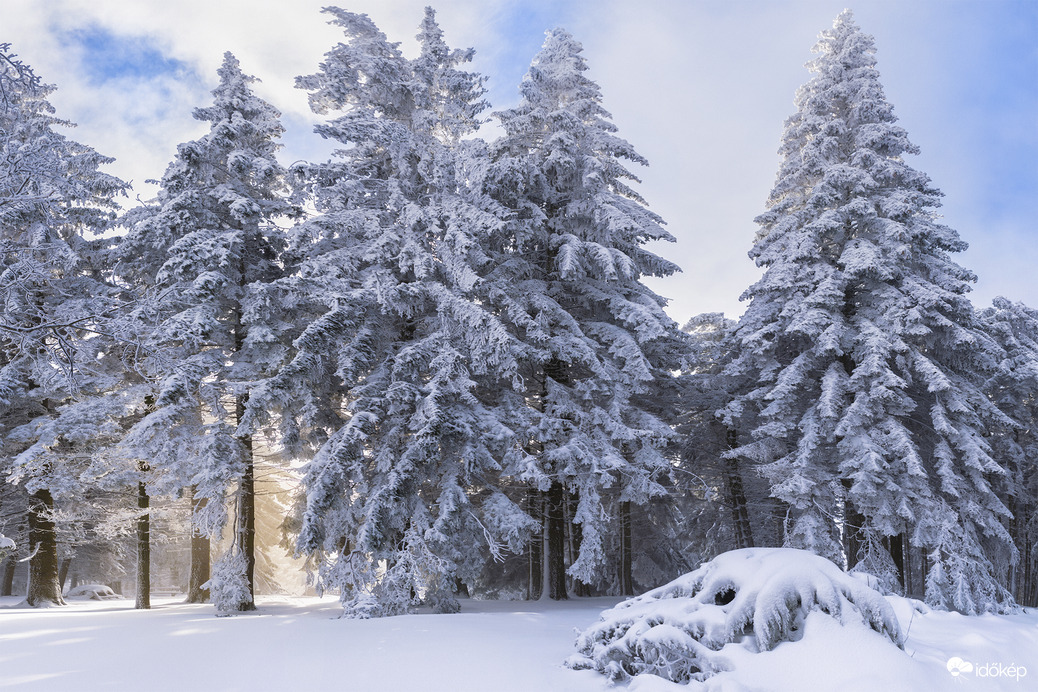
(505, 646)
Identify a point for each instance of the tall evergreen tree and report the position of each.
(392, 342)
(863, 352)
(1014, 389)
(565, 276)
(53, 299)
(200, 256)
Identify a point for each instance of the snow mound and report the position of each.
(94, 592)
(755, 598)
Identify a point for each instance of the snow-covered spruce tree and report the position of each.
(566, 278)
(383, 383)
(53, 298)
(864, 353)
(200, 256)
(1014, 389)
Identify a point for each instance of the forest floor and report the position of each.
(295, 643)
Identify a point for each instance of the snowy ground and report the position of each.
(298, 643)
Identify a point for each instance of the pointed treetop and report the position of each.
(558, 67)
(366, 69)
(234, 94)
(430, 36)
(453, 96)
(845, 46)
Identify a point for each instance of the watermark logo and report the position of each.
(959, 667)
(956, 666)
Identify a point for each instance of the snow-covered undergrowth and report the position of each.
(753, 598)
(228, 586)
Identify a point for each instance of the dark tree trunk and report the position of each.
(143, 601)
(853, 527)
(43, 566)
(200, 564)
(63, 573)
(246, 533)
(924, 571)
(1029, 590)
(895, 545)
(908, 583)
(737, 495)
(555, 501)
(8, 583)
(556, 533)
(247, 528)
(626, 551)
(535, 555)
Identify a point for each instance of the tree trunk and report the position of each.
(895, 545)
(8, 583)
(1029, 595)
(246, 533)
(909, 573)
(626, 551)
(43, 566)
(200, 564)
(924, 572)
(853, 527)
(737, 495)
(63, 573)
(143, 601)
(556, 535)
(535, 583)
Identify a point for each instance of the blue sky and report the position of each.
(106, 56)
(700, 87)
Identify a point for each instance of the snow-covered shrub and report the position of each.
(417, 577)
(754, 597)
(228, 586)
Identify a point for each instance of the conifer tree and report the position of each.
(53, 299)
(392, 343)
(1014, 389)
(565, 276)
(862, 349)
(200, 256)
